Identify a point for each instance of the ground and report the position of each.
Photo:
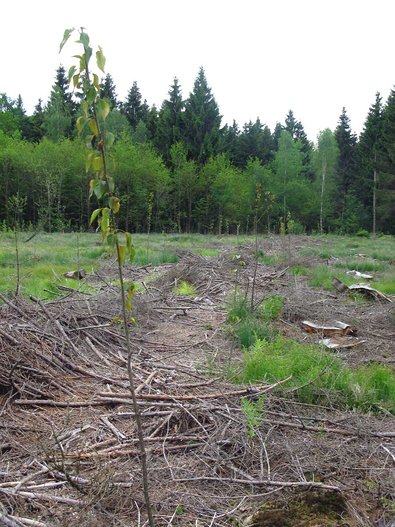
(68, 437)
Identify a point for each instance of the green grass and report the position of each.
(206, 252)
(318, 377)
(379, 248)
(299, 270)
(185, 289)
(44, 259)
(322, 276)
(362, 265)
(385, 285)
(248, 325)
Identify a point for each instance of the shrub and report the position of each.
(363, 233)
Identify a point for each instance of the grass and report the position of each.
(185, 289)
(318, 377)
(249, 326)
(44, 259)
(322, 276)
(47, 254)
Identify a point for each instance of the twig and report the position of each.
(44, 497)
(262, 482)
(388, 451)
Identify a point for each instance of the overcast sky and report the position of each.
(261, 57)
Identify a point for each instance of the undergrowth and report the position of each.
(249, 325)
(317, 376)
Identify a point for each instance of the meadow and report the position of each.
(46, 257)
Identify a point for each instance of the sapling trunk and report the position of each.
(136, 407)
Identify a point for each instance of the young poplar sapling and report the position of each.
(90, 125)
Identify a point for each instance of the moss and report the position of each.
(307, 509)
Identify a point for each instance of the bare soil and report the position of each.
(69, 453)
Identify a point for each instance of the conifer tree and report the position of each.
(133, 107)
(370, 150)
(386, 192)
(36, 130)
(229, 142)
(345, 175)
(202, 121)
(170, 122)
(108, 91)
(255, 141)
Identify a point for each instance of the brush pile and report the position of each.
(68, 440)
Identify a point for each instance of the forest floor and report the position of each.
(69, 453)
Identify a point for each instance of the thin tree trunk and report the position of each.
(324, 165)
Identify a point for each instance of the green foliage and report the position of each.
(202, 121)
(318, 376)
(362, 233)
(95, 111)
(42, 268)
(185, 289)
(253, 412)
(271, 307)
(252, 325)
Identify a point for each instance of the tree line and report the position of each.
(178, 169)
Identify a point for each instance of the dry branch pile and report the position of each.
(68, 439)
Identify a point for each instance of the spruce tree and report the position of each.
(37, 123)
(255, 142)
(108, 91)
(170, 122)
(386, 191)
(202, 121)
(229, 142)
(295, 128)
(345, 206)
(133, 107)
(370, 158)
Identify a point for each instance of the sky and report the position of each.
(261, 57)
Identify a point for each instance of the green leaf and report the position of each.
(122, 254)
(84, 39)
(130, 246)
(66, 36)
(94, 215)
(88, 54)
(100, 59)
(109, 139)
(96, 82)
(97, 164)
(105, 221)
(80, 123)
(93, 127)
(111, 240)
(76, 80)
(71, 73)
(85, 108)
(91, 184)
(114, 204)
(88, 161)
(130, 290)
(91, 95)
(111, 185)
(99, 189)
(103, 109)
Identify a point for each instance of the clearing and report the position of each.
(219, 453)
